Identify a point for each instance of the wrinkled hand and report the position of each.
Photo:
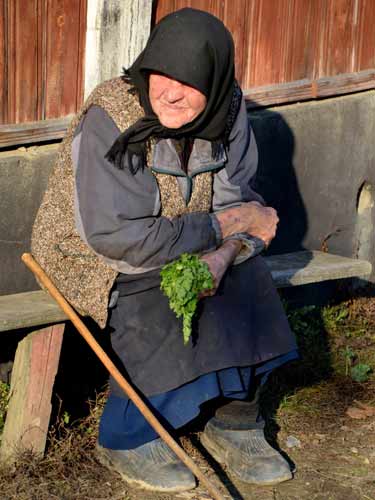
(252, 218)
(263, 222)
(218, 262)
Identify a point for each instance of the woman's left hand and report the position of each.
(218, 262)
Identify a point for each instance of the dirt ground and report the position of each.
(321, 418)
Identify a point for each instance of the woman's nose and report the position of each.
(174, 91)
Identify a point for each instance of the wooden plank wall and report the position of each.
(290, 49)
(41, 58)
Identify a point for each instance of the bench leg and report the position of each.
(33, 376)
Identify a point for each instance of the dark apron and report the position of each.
(243, 324)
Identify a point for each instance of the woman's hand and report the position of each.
(252, 218)
(218, 262)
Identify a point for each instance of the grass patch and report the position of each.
(334, 342)
(337, 348)
(69, 469)
(4, 397)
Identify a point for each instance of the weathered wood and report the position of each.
(311, 41)
(22, 65)
(302, 268)
(28, 309)
(27, 133)
(33, 376)
(117, 31)
(3, 63)
(23, 310)
(301, 90)
(63, 56)
(41, 58)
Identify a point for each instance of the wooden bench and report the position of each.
(37, 355)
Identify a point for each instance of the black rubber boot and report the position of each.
(152, 466)
(235, 438)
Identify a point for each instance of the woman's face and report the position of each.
(173, 102)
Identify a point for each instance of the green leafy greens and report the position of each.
(182, 281)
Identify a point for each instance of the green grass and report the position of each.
(337, 351)
(4, 397)
(334, 343)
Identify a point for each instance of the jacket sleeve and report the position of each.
(116, 213)
(233, 184)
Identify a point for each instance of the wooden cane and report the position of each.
(125, 386)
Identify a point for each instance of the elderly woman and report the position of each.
(158, 163)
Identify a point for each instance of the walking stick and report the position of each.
(125, 386)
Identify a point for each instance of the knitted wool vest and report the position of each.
(82, 276)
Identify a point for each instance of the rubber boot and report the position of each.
(152, 466)
(235, 438)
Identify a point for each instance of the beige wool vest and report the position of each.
(82, 276)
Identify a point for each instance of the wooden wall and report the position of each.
(295, 49)
(41, 58)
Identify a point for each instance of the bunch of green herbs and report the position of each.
(182, 281)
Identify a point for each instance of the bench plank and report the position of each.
(27, 309)
(302, 268)
(299, 268)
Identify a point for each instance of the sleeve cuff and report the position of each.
(217, 229)
(251, 246)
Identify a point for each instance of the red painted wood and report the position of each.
(62, 56)
(3, 64)
(22, 60)
(337, 53)
(235, 21)
(41, 59)
(365, 19)
(33, 376)
(42, 46)
(162, 8)
(44, 362)
(294, 41)
(302, 42)
(81, 54)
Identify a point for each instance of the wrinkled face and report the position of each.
(173, 102)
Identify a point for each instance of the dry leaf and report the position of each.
(356, 413)
(370, 410)
(361, 413)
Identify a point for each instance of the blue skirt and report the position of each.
(123, 427)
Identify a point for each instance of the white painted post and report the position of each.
(117, 31)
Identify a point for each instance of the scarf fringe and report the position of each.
(137, 155)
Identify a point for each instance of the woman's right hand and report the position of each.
(252, 218)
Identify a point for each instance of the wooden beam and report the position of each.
(23, 310)
(117, 31)
(29, 409)
(302, 90)
(28, 133)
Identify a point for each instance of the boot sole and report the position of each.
(217, 453)
(136, 483)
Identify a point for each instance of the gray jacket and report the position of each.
(116, 213)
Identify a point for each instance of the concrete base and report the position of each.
(314, 160)
(23, 179)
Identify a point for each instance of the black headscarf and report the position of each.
(195, 48)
